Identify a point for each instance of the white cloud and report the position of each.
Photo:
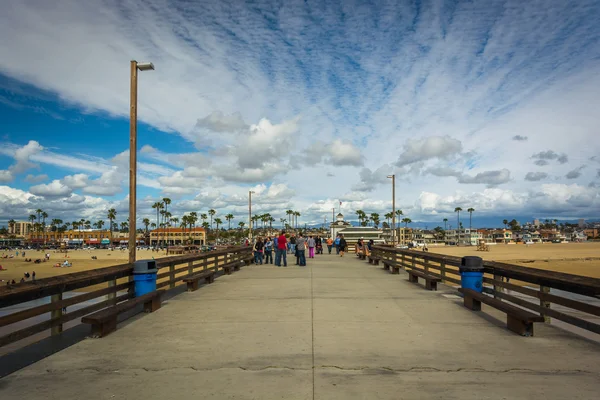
(23, 155)
(6, 176)
(218, 122)
(487, 177)
(544, 156)
(519, 138)
(535, 176)
(574, 174)
(53, 189)
(429, 148)
(36, 178)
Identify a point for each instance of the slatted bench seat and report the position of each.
(232, 266)
(373, 259)
(247, 259)
(192, 279)
(517, 320)
(391, 266)
(105, 321)
(430, 280)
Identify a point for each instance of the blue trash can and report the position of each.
(144, 277)
(471, 273)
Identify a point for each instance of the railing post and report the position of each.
(171, 275)
(55, 314)
(113, 295)
(404, 261)
(545, 304)
(443, 270)
(426, 265)
(497, 288)
(412, 263)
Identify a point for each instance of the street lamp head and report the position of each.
(145, 66)
(390, 176)
(251, 191)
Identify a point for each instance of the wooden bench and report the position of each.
(192, 279)
(374, 259)
(232, 266)
(430, 281)
(517, 320)
(105, 321)
(391, 266)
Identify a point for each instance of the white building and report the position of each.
(338, 225)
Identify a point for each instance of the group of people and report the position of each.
(296, 245)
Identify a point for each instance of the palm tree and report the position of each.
(32, 218)
(205, 225)
(157, 205)
(375, 219)
(229, 217)
(111, 215)
(211, 213)
(296, 214)
(445, 224)
(457, 210)
(470, 210)
(39, 212)
(242, 223)
(203, 217)
(283, 221)
(146, 222)
(218, 221)
(271, 220)
(406, 222)
(388, 216)
(289, 213)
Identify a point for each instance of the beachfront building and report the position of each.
(422, 236)
(72, 237)
(353, 233)
(338, 225)
(466, 236)
(177, 236)
(20, 229)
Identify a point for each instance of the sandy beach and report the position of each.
(573, 258)
(81, 260)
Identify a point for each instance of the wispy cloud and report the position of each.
(446, 95)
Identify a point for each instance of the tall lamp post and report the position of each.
(135, 66)
(250, 214)
(393, 177)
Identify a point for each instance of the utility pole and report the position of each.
(250, 215)
(393, 209)
(135, 66)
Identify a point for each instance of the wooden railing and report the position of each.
(536, 296)
(70, 290)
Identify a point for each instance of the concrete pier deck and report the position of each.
(337, 329)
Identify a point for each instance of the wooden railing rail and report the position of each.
(83, 286)
(581, 291)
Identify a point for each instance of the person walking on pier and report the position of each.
(329, 244)
(311, 247)
(319, 246)
(293, 244)
(336, 243)
(342, 245)
(268, 251)
(281, 250)
(301, 251)
(258, 251)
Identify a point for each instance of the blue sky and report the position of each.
(487, 104)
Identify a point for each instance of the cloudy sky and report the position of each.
(486, 104)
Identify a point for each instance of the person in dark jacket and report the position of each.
(342, 246)
(258, 251)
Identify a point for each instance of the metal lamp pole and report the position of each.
(393, 209)
(250, 214)
(135, 66)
